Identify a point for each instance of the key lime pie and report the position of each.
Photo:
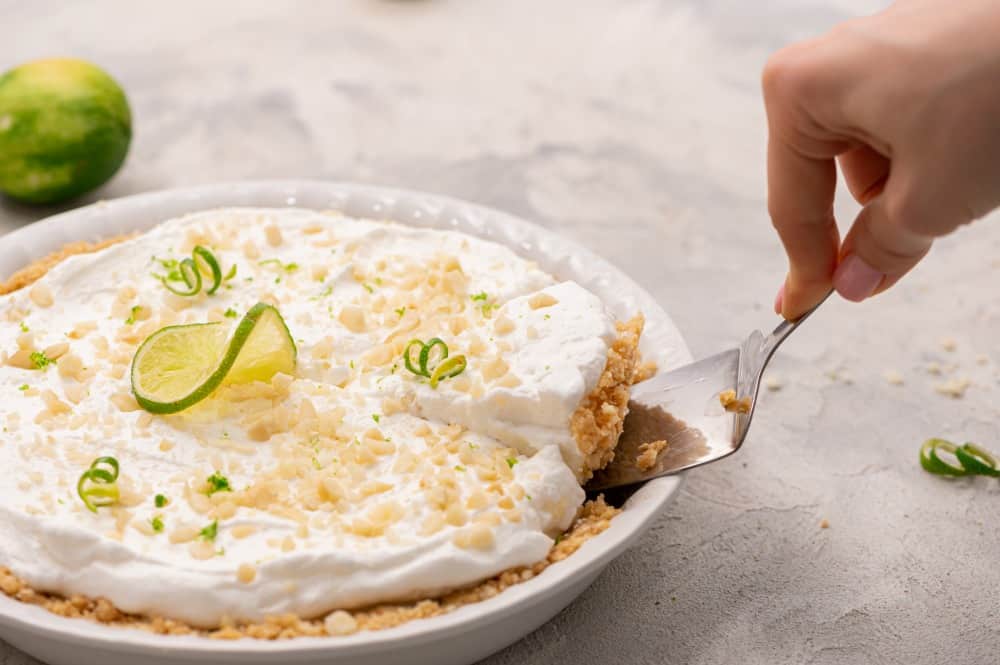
(284, 422)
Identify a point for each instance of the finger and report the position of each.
(877, 251)
(801, 171)
(800, 201)
(865, 172)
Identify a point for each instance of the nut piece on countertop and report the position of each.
(953, 387)
(892, 377)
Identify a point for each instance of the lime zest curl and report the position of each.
(98, 485)
(427, 350)
(184, 278)
(447, 369)
(208, 265)
(420, 358)
(973, 460)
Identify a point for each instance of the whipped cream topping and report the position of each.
(352, 482)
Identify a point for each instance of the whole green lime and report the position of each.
(65, 128)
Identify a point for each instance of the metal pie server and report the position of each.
(683, 408)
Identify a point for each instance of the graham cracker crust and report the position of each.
(598, 421)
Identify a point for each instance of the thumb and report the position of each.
(878, 250)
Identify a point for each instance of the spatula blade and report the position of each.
(682, 408)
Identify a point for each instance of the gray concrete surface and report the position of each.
(635, 127)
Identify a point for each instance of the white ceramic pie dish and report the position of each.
(461, 637)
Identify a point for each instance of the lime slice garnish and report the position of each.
(267, 347)
(178, 366)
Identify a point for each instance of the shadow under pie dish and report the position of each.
(276, 508)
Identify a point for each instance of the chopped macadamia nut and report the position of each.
(41, 295)
(26, 341)
(503, 325)
(22, 359)
(340, 623)
(273, 234)
(202, 550)
(184, 533)
(246, 573)
(540, 300)
(53, 404)
(477, 536)
(82, 329)
(241, 531)
(126, 293)
(250, 250)
(125, 402)
(74, 392)
(353, 318)
(56, 351)
(508, 381)
(494, 369)
(323, 349)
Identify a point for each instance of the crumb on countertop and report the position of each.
(953, 387)
(773, 383)
(836, 374)
(824, 523)
(893, 377)
(949, 344)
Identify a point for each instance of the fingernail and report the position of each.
(855, 280)
(779, 299)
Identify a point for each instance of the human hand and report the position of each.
(908, 102)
